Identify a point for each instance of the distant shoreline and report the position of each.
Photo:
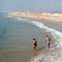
(56, 17)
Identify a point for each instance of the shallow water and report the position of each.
(16, 37)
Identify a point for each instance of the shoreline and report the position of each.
(36, 19)
(55, 17)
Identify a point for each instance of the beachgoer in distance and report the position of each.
(48, 39)
(34, 43)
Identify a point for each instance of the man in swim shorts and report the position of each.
(48, 41)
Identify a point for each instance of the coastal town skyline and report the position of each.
(31, 5)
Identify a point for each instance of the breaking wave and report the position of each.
(54, 56)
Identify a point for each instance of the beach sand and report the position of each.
(39, 16)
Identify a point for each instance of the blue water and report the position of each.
(16, 36)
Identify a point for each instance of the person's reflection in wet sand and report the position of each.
(34, 53)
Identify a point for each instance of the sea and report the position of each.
(16, 37)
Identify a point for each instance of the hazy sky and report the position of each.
(30, 5)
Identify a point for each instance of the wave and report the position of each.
(15, 18)
(7, 16)
(58, 42)
(21, 19)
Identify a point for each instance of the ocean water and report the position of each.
(16, 36)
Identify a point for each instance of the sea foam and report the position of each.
(16, 18)
(58, 42)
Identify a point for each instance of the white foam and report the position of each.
(16, 18)
(20, 19)
(56, 35)
(7, 16)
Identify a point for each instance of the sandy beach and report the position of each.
(40, 16)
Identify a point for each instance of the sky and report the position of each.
(31, 5)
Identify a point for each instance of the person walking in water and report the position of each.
(34, 43)
(48, 41)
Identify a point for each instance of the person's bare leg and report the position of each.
(33, 47)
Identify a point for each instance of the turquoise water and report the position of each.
(16, 36)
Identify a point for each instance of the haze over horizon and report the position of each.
(31, 5)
